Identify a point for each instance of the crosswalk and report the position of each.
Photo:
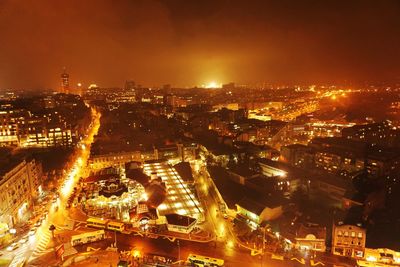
(41, 247)
(19, 258)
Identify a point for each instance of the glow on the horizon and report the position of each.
(213, 84)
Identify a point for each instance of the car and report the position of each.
(44, 216)
(32, 231)
(23, 240)
(12, 247)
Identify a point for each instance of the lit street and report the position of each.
(199, 133)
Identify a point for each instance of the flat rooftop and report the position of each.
(8, 161)
(180, 199)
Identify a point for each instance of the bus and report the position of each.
(96, 223)
(116, 226)
(87, 237)
(201, 261)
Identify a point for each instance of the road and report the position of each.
(215, 221)
(233, 256)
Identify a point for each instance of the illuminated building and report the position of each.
(337, 154)
(238, 199)
(49, 102)
(348, 240)
(179, 151)
(230, 106)
(180, 223)
(65, 82)
(108, 195)
(10, 125)
(179, 199)
(113, 159)
(178, 101)
(311, 237)
(119, 95)
(385, 164)
(38, 133)
(374, 133)
(346, 157)
(257, 210)
(55, 120)
(42, 132)
(259, 116)
(380, 257)
(327, 184)
(19, 182)
(297, 155)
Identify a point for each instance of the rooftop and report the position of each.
(179, 199)
(242, 170)
(185, 171)
(180, 220)
(234, 193)
(137, 175)
(8, 160)
(305, 230)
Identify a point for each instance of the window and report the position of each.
(360, 235)
(340, 233)
(353, 234)
(346, 233)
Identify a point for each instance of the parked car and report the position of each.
(23, 240)
(32, 231)
(12, 247)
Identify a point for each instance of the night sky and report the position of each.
(190, 42)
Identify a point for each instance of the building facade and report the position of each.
(19, 186)
(311, 237)
(102, 161)
(348, 241)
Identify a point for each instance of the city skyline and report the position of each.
(193, 43)
(199, 133)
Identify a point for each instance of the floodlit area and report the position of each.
(180, 199)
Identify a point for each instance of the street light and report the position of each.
(179, 251)
(263, 246)
(52, 228)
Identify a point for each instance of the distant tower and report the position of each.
(130, 85)
(65, 82)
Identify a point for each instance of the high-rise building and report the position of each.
(65, 82)
(130, 85)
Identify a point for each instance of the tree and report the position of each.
(300, 198)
